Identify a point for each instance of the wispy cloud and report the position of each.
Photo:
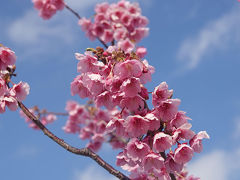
(214, 36)
(93, 172)
(34, 36)
(30, 29)
(26, 151)
(219, 164)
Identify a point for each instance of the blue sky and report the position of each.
(194, 46)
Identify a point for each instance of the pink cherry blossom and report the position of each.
(183, 154)
(168, 109)
(20, 90)
(117, 125)
(136, 125)
(162, 142)
(154, 122)
(128, 68)
(153, 160)
(88, 63)
(172, 166)
(126, 45)
(141, 52)
(180, 119)
(137, 150)
(7, 57)
(3, 87)
(125, 162)
(94, 83)
(160, 94)
(148, 70)
(78, 87)
(131, 87)
(196, 141)
(183, 132)
(134, 104)
(105, 99)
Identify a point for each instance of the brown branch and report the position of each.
(79, 17)
(72, 11)
(83, 151)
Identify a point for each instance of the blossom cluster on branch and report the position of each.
(47, 8)
(155, 143)
(18, 92)
(122, 22)
(44, 117)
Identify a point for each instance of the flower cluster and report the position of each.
(90, 123)
(18, 92)
(156, 142)
(44, 117)
(120, 21)
(113, 78)
(47, 8)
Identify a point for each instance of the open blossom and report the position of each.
(3, 87)
(47, 8)
(20, 90)
(180, 119)
(153, 160)
(162, 142)
(141, 52)
(173, 166)
(154, 122)
(196, 141)
(8, 101)
(7, 57)
(117, 125)
(78, 87)
(131, 87)
(88, 63)
(137, 150)
(184, 132)
(183, 154)
(167, 110)
(136, 125)
(128, 68)
(161, 93)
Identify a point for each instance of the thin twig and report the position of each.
(74, 12)
(83, 151)
(103, 43)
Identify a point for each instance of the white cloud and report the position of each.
(93, 172)
(215, 35)
(31, 29)
(26, 151)
(219, 164)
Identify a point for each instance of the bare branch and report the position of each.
(74, 12)
(83, 151)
